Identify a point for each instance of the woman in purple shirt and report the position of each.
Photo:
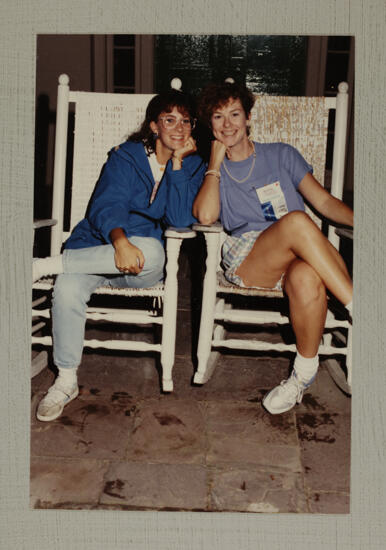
(257, 191)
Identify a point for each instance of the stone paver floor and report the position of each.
(124, 445)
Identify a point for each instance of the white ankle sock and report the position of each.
(52, 265)
(68, 376)
(306, 368)
(349, 308)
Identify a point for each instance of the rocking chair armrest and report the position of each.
(44, 223)
(345, 232)
(179, 233)
(213, 228)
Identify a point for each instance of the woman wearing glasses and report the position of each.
(257, 190)
(148, 182)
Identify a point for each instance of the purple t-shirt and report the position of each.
(279, 168)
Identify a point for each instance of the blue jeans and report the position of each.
(84, 270)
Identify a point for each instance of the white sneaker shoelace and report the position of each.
(292, 388)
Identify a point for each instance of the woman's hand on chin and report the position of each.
(217, 154)
(188, 148)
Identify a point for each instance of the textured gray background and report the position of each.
(21, 528)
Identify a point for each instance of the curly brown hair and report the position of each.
(217, 95)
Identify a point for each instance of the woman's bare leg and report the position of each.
(295, 236)
(308, 306)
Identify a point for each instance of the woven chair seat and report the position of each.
(225, 287)
(47, 283)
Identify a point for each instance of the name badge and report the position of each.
(272, 201)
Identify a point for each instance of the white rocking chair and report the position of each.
(103, 120)
(301, 122)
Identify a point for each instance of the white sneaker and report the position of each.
(284, 396)
(52, 405)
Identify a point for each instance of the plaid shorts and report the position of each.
(234, 251)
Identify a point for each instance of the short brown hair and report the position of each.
(217, 95)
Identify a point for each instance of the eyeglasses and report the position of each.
(170, 122)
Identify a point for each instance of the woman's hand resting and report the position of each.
(128, 258)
